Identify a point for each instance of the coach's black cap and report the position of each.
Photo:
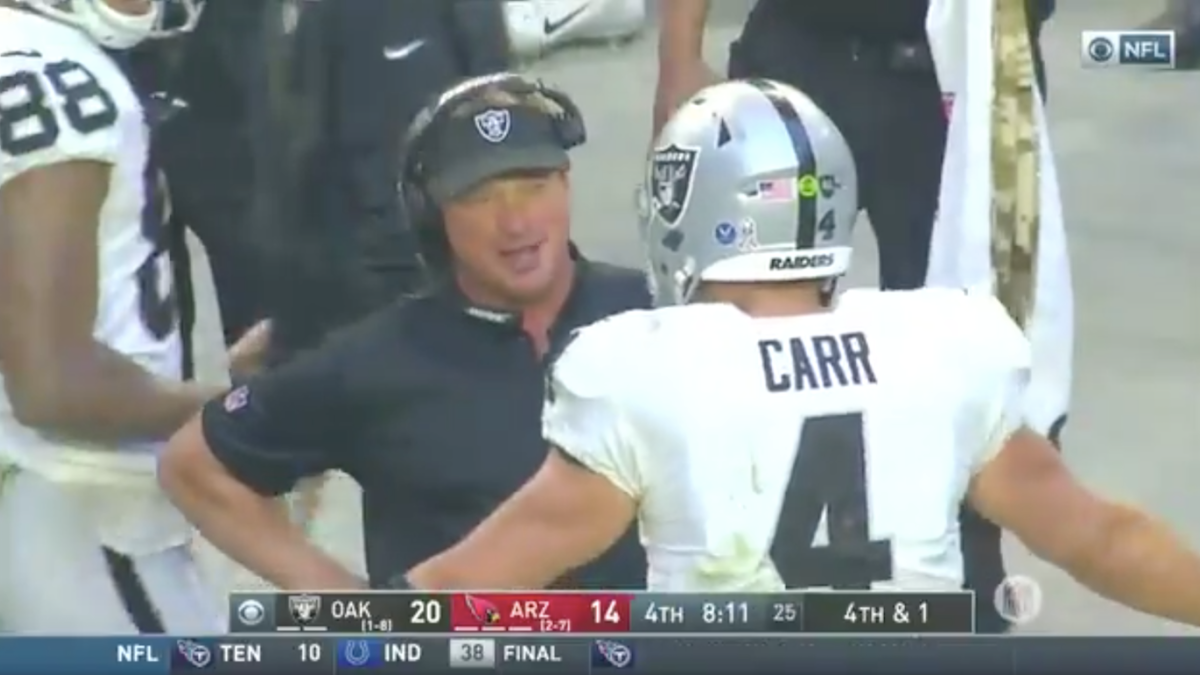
(472, 149)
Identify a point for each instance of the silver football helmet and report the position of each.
(748, 181)
(117, 30)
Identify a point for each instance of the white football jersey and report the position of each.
(63, 99)
(818, 451)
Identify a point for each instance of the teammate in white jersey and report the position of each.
(767, 437)
(90, 353)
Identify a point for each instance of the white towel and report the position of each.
(960, 34)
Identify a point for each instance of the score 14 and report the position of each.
(608, 614)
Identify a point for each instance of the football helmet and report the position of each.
(116, 30)
(749, 181)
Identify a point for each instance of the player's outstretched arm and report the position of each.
(57, 376)
(1115, 550)
(564, 517)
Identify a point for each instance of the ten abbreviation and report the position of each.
(1110, 48)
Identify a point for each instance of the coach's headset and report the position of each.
(566, 127)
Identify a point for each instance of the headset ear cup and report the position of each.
(570, 127)
(426, 225)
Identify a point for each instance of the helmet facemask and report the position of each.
(112, 29)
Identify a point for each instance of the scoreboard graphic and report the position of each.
(604, 613)
(327, 634)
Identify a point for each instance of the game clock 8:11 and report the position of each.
(725, 613)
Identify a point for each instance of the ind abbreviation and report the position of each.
(409, 652)
(136, 654)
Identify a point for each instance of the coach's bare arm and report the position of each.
(246, 525)
(1115, 550)
(226, 466)
(57, 376)
(562, 518)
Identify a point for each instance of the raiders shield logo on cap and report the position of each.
(493, 125)
(671, 175)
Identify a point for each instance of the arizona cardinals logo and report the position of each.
(486, 613)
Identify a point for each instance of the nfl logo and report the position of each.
(304, 608)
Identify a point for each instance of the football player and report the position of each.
(769, 437)
(90, 353)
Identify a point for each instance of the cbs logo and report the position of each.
(1100, 50)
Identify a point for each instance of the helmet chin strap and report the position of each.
(113, 29)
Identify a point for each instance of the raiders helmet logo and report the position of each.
(671, 175)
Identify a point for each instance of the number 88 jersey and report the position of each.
(63, 99)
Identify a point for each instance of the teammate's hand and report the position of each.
(677, 83)
(248, 355)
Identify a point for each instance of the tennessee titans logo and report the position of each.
(493, 125)
(672, 172)
(196, 654)
(614, 654)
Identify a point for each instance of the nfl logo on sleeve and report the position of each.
(236, 399)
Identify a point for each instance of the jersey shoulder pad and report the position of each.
(582, 415)
(58, 105)
(585, 366)
(991, 331)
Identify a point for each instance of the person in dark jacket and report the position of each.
(362, 70)
(1183, 17)
(346, 79)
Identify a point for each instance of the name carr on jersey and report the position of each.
(816, 362)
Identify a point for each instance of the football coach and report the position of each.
(432, 404)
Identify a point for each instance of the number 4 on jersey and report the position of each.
(829, 478)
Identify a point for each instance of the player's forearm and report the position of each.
(101, 396)
(1139, 562)
(681, 31)
(250, 528)
(517, 567)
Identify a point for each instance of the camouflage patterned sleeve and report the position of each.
(582, 416)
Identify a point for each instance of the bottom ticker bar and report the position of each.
(292, 655)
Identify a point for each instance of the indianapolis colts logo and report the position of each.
(356, 652)
(493, 125)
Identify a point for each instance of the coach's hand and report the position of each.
(677, 82)
(249, 354)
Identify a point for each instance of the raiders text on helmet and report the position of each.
(748, 181)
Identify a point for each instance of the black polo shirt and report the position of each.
(433, 406)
